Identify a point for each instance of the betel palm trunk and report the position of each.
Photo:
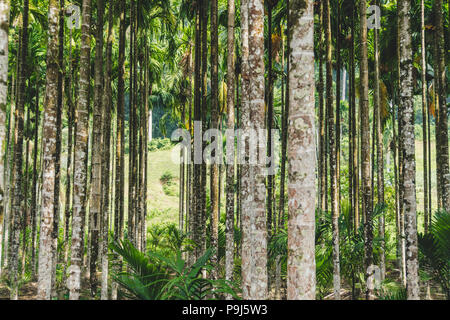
(4, 29)
(379, 143)
(119, 176)
(214, 125)
(442, 125)
(333, 153)
(79, 210)
(106, 152)
(301, 283)
(254, 251)
(424, 115)
(96, 183)
(365, 144)
(229, 231)
(408, 144)
(46, 238)
(17, 199)
(244, 121)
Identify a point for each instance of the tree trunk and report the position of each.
(17, 199)
(215, 214)
(408, 145)
(365, 145)
(95, 202)
(47, 239)
(229, 231)
(106, 152)
(254, 233)
(442, 125)
(80, 176)
(301, 282)
(380, 158)
(333, 151)
(120, 181)
(4, 30)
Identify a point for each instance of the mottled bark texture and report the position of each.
(254, 251)
(4, 29)
(245, 125)
(442, 124)
(17, 199)
(332, 135)
(79, 210)
(106, 152)
(301, 281)
(408, 144)
(46, 238)
(95, 201)
(229, 229)
(214, 125)
(365, 144)
(380, 156)
(120, 132)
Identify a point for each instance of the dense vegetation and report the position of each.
(98, 202)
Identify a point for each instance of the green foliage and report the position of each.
(434, 254)
(160, 277)
(160, 144)
(168, 184)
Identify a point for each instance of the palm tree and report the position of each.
(229, 252)
(379, 143)
(16, 208)
(407, 142)
(120, 175)
(96, 183)
(214, 125)
(332, 135)
(79, 210)
(4, 30)
(365, 141)
(254, 237)
(46, 238)
(301, 153)
(442, 127)
(106, 154)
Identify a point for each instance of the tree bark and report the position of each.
(408, 145)
(301, 282)
(80, 176)
(229, 231)
(4, 30)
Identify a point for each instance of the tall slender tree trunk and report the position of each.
(254, 247)
(196, 179)
(301, 282)
(269, 98)
(95, 203)
(4, 30)
(354, 122)
(17, 200)
(33, 207)
(365, 144)
(47, 241)
(204, 110)
(442, 125)
(215, 125)
(408, 145)
(333, 151)
(80, 176)
(424, 116)
(230, 188)
(120, 181)
(380, 157)
(106, 152)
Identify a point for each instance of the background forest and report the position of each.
(93, 205)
